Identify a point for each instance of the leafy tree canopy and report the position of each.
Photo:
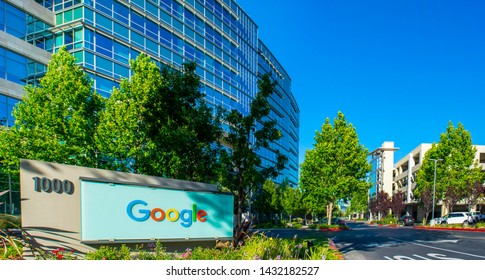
(55, 121)
(336, 167)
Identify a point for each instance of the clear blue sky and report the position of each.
(398, 70)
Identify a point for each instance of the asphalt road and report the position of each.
(371, 242)
(366, 242)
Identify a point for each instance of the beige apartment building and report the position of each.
(400, 176)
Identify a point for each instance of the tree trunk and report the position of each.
(329, 212)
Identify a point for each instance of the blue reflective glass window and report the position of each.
(104, 6)
(199, 39)
(200, 56)
(17, 68)
(218, 9)
(137, 39)
(139, 3)
(10, 108)
(134, 53)
(88, 16)
(152, 9)
(218, 52)
(137, 22)
(167, 18)
(165, 53)
(199, 7)
(68, 16)
(199, 24)
(189, 17)
(178, 25)
(122, 71)
(152, 47)
(209, 77)
(68, 38)
(2, 16)
(104, 22)
(165, 37)
(121, 12)
(89, 60)
(152, 29)
(209, 32)
(166, 4)
(122, 52)
(2, 63)
(16, 22)
(79, 57)
(121, 31)
(191, 2)
(189, 51)
(104, 66)
(103, 86)
(189, 33)
(209, 46)
(178, 43)
(178, 10)
(104, 45)
(177, 59)
(89, 39)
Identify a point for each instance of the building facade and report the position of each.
(382, 161)
(401, 176)
(104, 35)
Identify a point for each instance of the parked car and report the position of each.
(338, 221)
(334, 221)
(476, 216)
(462, 218)
(406, 220)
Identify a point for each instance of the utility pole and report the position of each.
(434, 184)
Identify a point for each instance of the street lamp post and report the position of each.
(434, 184)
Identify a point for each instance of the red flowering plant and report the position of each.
(62, 254)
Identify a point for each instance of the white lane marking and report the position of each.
(421, 257)
(438, 241)
(432, 255)
(442, 249)
(441, 257)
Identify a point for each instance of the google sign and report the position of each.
(124, 212)
(172, 215)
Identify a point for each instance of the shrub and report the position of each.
(61, 254)
(388, 220)
(9, 221)
(257, 247)
(11, 250)
(480, 225)
(110, 253)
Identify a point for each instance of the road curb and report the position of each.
(452, 229)
(334, 248)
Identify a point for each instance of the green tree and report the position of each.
(186, 133)
(157, 123)
(457, 172)
(358, 203)
(268, 198)
(336, 167)
(291, 201)
(246, 136)
(122, 137)
(55, 121)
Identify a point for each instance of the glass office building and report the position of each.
(104, 35)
